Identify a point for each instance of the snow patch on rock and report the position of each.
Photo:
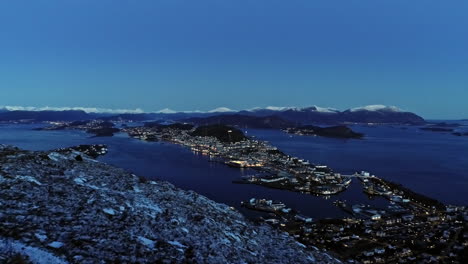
(29, 179)
(146, 242)
(109, 211)
(55, 244)
(35, 255)
(176, 244)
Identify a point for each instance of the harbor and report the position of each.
(277, 169)
(397, 232)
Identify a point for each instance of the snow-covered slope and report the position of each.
(292, 108)
(315, 114)
(221, 110)
(375, 108)
(69, 209)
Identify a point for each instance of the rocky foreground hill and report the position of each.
(64, 207)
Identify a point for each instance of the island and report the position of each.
(447, 128)
(437, 129)
(100, 128)
(445, 124)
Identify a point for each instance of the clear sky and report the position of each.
(188, 55)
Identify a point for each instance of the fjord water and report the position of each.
(431, 163)
(434, 164)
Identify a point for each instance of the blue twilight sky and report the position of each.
(188, 55)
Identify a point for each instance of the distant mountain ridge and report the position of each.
(368, 114)
(277, 116)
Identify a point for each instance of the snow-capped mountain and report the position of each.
(166, 111)
(291, 108)
(320, 109)
(380, 114)
(298, 115)
(89, 110)
(222, 110)
(374, 108)
(327, 115)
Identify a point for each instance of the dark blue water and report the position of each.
(431, 163)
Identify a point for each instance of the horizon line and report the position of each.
(102, 110)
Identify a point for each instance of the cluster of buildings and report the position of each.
(280, 170)
(405, 231)
(407, 238)
(267, 206)
(373, 235)
(411, 229)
